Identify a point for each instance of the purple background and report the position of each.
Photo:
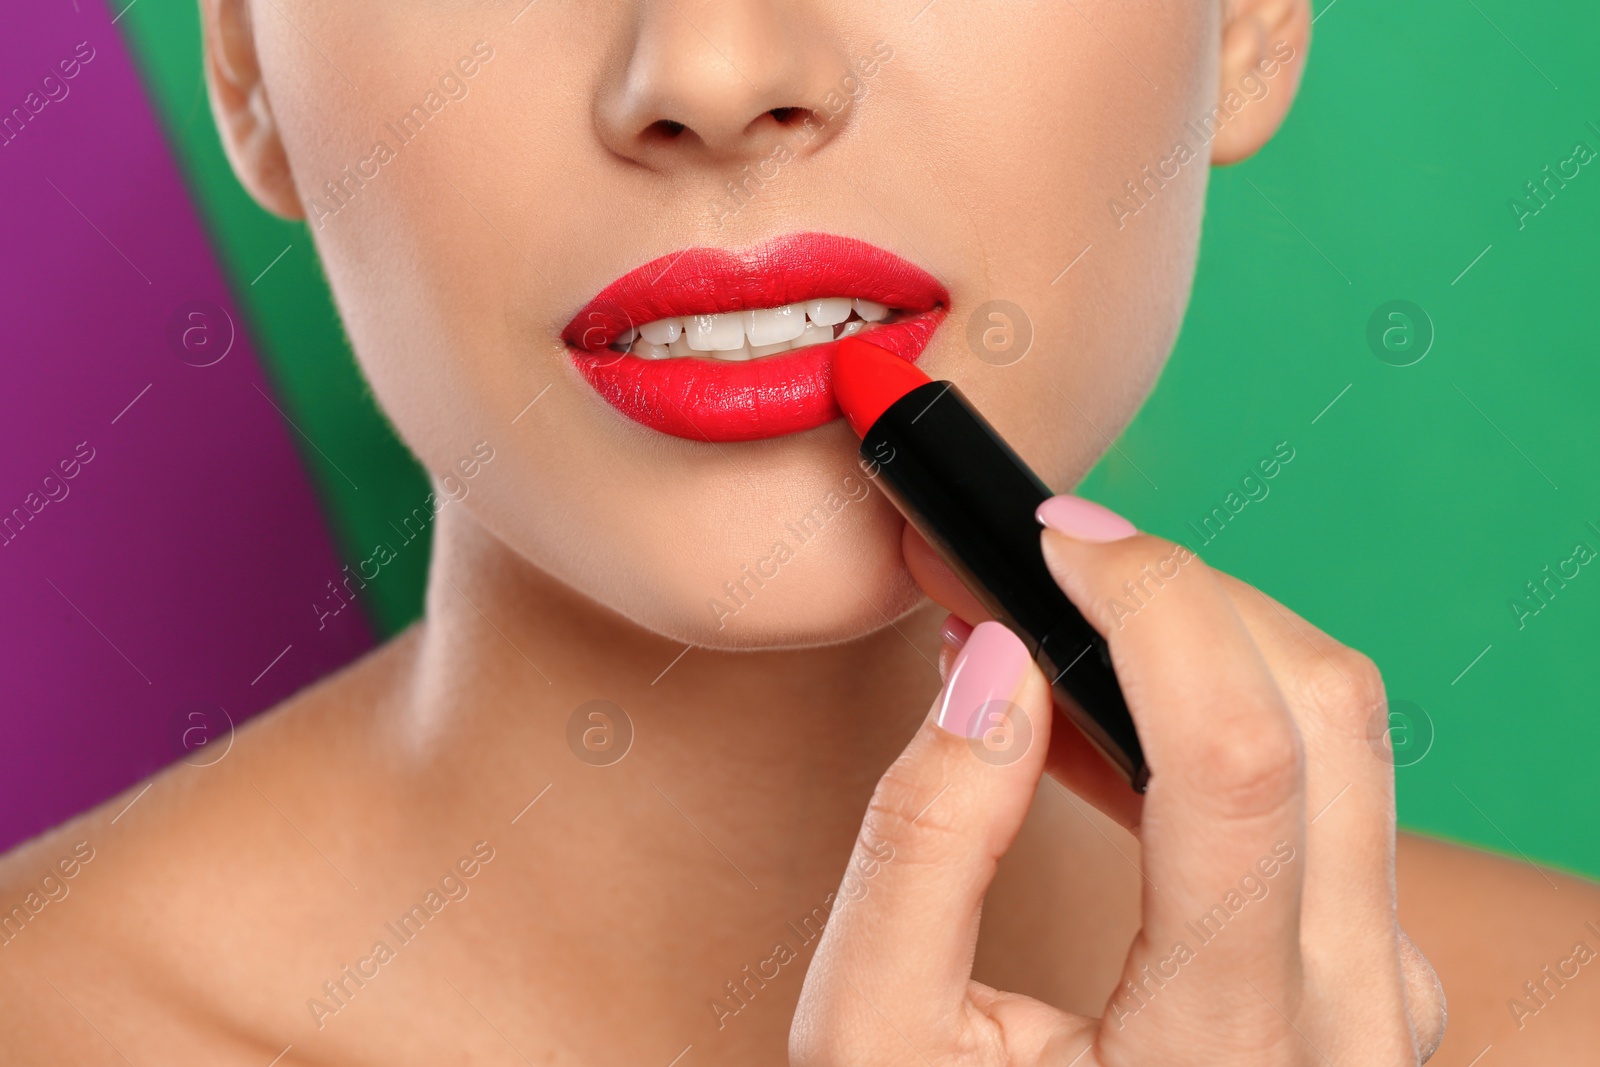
(191, 547)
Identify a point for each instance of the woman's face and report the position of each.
(477, 172)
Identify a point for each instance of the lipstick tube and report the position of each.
(973, 499)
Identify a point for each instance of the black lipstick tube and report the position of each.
(973, 499)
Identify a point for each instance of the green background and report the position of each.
(1417, 506)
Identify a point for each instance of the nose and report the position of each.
(717, 81)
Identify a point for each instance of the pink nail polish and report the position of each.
(955, 631)
(1083, 519)
(990, 667)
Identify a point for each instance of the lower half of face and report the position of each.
(615, 243)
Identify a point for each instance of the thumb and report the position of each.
(896, 954)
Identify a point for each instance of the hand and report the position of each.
(1272, 938)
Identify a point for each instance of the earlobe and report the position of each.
(1264, 45)
(240, 107)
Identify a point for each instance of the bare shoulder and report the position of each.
(1516, 946)
(121, 927)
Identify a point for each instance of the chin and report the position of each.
(821, 610)
(841, 585)
(830, 614)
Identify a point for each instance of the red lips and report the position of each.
(714, 400)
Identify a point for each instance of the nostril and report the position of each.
(663, 132)
(789, 116)
(665, 129)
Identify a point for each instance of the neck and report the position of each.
(790, 742)
(725, 827)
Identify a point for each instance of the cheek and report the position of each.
(420, 213)
(1046, 126)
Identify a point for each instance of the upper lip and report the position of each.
(785, 270)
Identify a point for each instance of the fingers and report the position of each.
(1424, 998)
(896, 954)
(938, 580)
(1223, 824)
(952, 635)
(1349, 923)
(1072, 759)
(1282, 918)
(1336, 696)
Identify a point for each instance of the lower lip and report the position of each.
(719, 400)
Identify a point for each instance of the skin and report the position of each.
(618, 904)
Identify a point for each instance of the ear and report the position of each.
(1264, 46)
(240, 107)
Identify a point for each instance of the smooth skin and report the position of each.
(623, 903)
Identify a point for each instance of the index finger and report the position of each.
(1225, 802)
(1072, 758)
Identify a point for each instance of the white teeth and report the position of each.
(872, 312)
(752, 334)
(814, 335)
(829, 311)
(775, 325)
(662, 331)
(715, 333)
(645, 350)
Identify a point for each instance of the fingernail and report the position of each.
(1083, 519)
(990, 667)
(955, 631)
